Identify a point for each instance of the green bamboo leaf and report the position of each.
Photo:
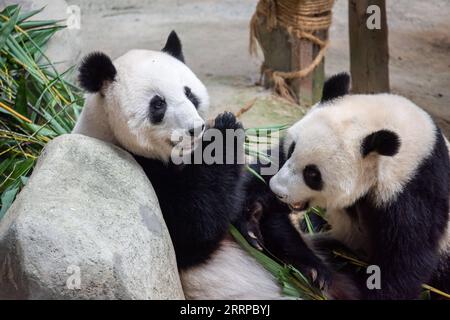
(29, 14)
(24, 180)
(5, 164)
(292, 282)
(7, 199)
(43, 131)
(21, 97)
(308, 222)
(8, 27)
(319, 212)
(9, 10)
(272, 127)
(40, 38)
(39, 24)
(20, 168)
(256, 174)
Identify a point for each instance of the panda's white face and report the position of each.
(322, 169)
(145, 101)
(353, 145)
(154, 98)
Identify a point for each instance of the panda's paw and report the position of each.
(321, 278)
(249, 225)
(227, 120)
(320, 275)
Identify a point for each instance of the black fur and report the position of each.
(384, 142)
(95, 70)
(313, 177)
(318, 224)
(157, 109)
(273, 227)
(404, 235)
(335, 87)
(198, 201)
(173, 46)
(291, 150)
(192, 97)
(441, 277)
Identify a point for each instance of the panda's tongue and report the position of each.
(299, 206)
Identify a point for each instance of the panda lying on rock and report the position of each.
(380, 166)
(138, 102)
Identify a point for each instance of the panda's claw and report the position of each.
(254, 241)
(322, 285)
(321, 278)
(313, 274)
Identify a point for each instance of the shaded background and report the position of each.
(215, 36)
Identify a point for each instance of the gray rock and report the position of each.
(86, 226)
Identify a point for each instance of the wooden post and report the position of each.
(308, 89)
(284, 52)
(369, 49)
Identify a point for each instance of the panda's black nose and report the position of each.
(196, 130)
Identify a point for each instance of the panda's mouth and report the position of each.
(185, 144)
(299, 206)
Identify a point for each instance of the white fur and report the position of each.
(121, 115)
(230, 274)
(330, 137)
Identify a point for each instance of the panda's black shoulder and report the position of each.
(425, 195)
(432, 178)
(159, 173)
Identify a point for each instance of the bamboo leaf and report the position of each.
(308, 222)
(7, 199)
(29, 14)
(5, 164)
(21, 97)
(42, 103)
(38, 24)
(9, 10)
(292, 282)
(8, 26)
(256, 174)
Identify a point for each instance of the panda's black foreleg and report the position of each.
(441, 277)
(199, 200)
(283, 241)
(402, 254)
(265, 223)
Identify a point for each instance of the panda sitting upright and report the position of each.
(138, 102)
(380, 166)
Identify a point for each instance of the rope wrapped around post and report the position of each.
(300, 18)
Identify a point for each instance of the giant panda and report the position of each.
(380, 166)
(138, 102)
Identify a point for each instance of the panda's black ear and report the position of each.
(173, 46)
(96, 70)
(384, 142)
(336, 86)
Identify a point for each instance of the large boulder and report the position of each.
(86, 226)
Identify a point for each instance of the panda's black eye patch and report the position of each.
(291, 150)
(158, 108)
(192, 97)
(313, 177)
